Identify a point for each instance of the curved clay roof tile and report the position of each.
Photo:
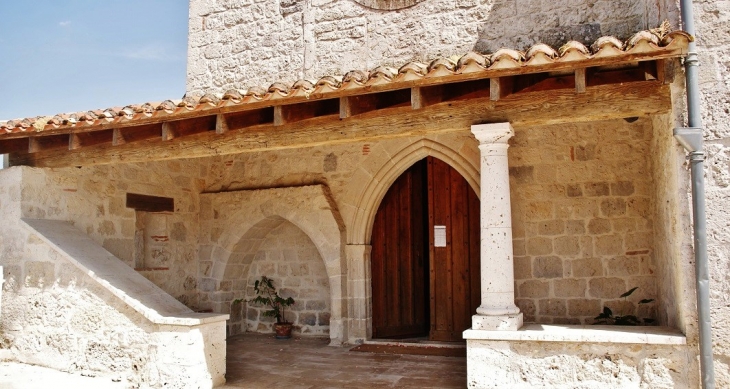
(305, 85)
(189, 102)
(470, 59)
(354, 78)
(329, 81)
(256, 92)
(540, 54)
(610, 43)
(210, 99)
(233, 95)
(280, 88)
(573, 51)
(506, 58)
(445, 63)
(167, 106)
(415, 68)
(385, 72)
(641, 37)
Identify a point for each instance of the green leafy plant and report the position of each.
(607, 316)
(267, 295)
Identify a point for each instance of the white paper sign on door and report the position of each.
(439, 236)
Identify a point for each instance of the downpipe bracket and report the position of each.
(690, 138)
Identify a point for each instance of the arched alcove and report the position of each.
(279, 250)
(239, 223)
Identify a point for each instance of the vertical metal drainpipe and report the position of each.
(692, 140)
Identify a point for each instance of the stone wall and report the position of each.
(94, 199)
(241, 44)
(582, 220)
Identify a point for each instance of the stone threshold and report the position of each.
(585, 334)
(415, 342)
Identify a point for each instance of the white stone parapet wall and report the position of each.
(242, 44)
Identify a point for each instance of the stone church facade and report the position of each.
(550, 171)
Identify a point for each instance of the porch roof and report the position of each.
(573, 65)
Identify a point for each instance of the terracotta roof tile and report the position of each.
(646, 45)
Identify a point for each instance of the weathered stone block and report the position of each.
(587, 267)
(608, 245)
(567, 245)
(552, 307)
(613, 207)
(582, 307)
(569, 288)
(547, 267)
(539, 246)
(595, 189)
(534, 288)
(599, 226)
(606, 288)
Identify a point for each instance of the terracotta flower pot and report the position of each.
(283, 330)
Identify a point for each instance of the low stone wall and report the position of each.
(579, 357)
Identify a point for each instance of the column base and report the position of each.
(497, 323)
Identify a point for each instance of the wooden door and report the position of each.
(419, 289)
(399, 259)
(455, 278)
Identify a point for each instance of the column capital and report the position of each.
(491, 133)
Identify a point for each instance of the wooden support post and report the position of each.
(500, 87)
(118, 137)
(33, 145)
(278, 116)
(221, 126)
(345, 110)
(74, 142)
(580, 80)
(168, 133)
(417, 101)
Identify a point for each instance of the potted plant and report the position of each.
(268, 296)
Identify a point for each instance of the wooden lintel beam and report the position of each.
(580, 80)
(500, 87)
(221, 126)
(600, 102)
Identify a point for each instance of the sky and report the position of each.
(59, 56)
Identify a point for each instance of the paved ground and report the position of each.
(260, 361)
(256, 361)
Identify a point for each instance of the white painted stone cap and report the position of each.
(584, 334)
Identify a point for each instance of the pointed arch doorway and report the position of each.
(425, 255)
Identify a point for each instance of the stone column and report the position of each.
(497, 310)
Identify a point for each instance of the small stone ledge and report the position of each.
(584, 334)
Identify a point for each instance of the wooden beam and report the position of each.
(600, 102)
(34, 145)
(221, 126)
(146, 203)
(580, 80)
